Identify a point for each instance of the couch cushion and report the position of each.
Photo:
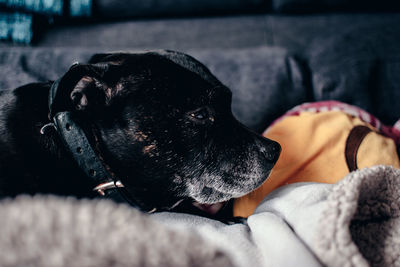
(173, 33)
(297, 33)
(144, 8)
(361, 67)
(301, 6)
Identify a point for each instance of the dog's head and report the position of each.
(166, 129)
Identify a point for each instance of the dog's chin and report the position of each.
(210, 202)
(214, 201)
(210, 208)
(211, 199)
(213, 205)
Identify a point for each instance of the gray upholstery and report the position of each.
(173, 33)
(296, 32)
(360, 66)
(301, 6)
(143, 8)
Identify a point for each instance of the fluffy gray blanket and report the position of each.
(353, 223)
(54, 232)
(360, 225)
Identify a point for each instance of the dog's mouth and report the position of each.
(215, 199)
(210, 208)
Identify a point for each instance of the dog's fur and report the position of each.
(164, 126)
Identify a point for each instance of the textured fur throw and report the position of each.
(360, 225)
(55, 232)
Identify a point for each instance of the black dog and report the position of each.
(159, 122)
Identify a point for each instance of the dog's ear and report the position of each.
(89, 93)
(81, 88)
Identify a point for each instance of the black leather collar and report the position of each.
(76, 142)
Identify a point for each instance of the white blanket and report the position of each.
(353, 223)
(279, 233)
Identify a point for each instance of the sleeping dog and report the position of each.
(155, 128)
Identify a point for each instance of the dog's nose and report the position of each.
(269, 149)
(274, 151)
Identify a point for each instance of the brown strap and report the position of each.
(353, 142)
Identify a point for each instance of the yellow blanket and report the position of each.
(320, 147)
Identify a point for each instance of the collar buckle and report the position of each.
(103, 187)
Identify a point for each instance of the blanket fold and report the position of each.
(360, 225)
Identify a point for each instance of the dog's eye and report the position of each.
(201, 115)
